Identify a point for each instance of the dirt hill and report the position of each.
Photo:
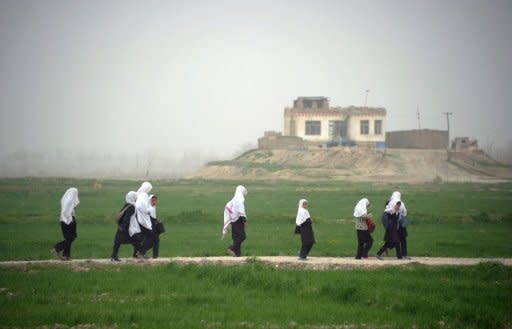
(360, 164)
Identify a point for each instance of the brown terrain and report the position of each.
(360, 164)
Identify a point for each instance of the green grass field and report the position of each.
(254, 296)
(453, 220)
(459, 220)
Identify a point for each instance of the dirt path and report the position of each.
(314, 263)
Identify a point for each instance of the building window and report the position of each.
(378, 127)
(313, 128)
(337, 128)
(365, 127)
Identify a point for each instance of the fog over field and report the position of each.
(157, 88)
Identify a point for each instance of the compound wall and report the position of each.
(417, 139)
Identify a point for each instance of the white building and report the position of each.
(312, 119)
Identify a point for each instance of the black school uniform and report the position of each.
(391, 237)
(402, 237)
(69, 233)
(307, 238)
(364, 243)
(122, 234)
(156, 237)
(238, 235)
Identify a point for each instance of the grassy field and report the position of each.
(458, 220)
(254, 296)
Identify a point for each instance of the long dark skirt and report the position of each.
(156, 238)
(148, 239)
(123, 237)
(402, 236)
(238, 235)
(307, 238)
(69, 233)
(364, 243)
(391, 245)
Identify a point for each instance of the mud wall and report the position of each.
(417, 139)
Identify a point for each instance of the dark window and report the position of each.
(337, 128)
(365, 127)
(313, 128)
(378, 127)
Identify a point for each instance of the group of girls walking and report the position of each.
(394, 220)
(235, 218)
(138, 225)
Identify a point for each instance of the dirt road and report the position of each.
(313, 263)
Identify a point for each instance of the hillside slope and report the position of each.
(360, 164)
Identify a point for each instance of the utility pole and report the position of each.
(448, 125)
(366, 97)
(418, 115)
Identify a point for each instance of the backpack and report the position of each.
(121, 213)
(371, 225)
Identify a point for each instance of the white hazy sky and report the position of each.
(209, 76)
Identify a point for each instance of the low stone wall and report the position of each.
(280, 142)
(417, 139)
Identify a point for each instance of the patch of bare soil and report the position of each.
(360, 164)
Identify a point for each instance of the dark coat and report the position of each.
(124, 222)
(391, 234)
(306, 232)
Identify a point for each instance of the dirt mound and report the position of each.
(360, 164)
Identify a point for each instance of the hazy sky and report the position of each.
(209, 76)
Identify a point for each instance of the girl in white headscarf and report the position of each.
(143, 213)
(396, 196)
(68, 203)
(402, 220)
(391, 239)
(235, 216)
(128, 230)
(364, 238)
(303, 225)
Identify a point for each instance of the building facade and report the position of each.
(312, 119)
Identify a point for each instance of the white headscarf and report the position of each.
(145, 187)
(234, 209)
(302, 213)
(395, 197)
(68, 202)
(133, 228)
(131, 197)
(240, 193)
(361, 208)
(142, 205)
